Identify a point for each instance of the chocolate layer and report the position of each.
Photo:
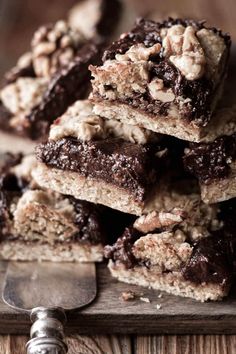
(210, 262)
(200, 92)
(211, 161)
(124, 164)
(121, 251)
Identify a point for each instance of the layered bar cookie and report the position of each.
(37, 224)
(166, 77)
(183, 250)
(101, 161)
(46, 80)
(213, 164)
(96, 17)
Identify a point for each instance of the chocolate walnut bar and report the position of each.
(213, 164)
(37, 224)
(166, 77)
(101, 161)
(47, 80)
(180, 248)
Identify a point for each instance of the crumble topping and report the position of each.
(155, 220)
(139, 52)
(53, 47)
(168, 250)
(199, 219)
(214, 48)
(44, 216)
(24, 94)
(80, 122)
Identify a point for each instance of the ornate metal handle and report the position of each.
(47, 332)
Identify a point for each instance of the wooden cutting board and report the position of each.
(109, 314)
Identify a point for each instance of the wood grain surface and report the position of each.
(18, 20)
(202, 344)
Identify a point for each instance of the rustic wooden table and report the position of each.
(218, 344)
(18, 19)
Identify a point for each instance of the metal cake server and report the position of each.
(47, 292)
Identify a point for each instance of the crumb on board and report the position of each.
(127, 295)
(145, 299)
(159, 296)
(158, 306)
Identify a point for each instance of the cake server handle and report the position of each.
(47, 332)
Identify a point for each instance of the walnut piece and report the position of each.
(139, 52)
(184, 50)
(155, 220)
(54, 47)
(159, 92)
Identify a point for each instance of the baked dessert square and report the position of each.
(101, 161)
(213, 164)
(164, 76)
(181, 248)
(47, 80)
(39, 224)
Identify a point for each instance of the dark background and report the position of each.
(19, 18)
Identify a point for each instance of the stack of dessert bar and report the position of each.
(151, 128)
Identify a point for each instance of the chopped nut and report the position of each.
(155, 220)
(53, 47)
(139, 52)
(128, 295)
(145, 299)
(183, 49)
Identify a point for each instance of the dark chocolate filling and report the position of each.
(201, 92)
(210, 261)
(127, 165)
(211, 161)
(121, 251)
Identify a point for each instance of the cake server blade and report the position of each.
(47, 292)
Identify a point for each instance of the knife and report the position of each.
(47, 292)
